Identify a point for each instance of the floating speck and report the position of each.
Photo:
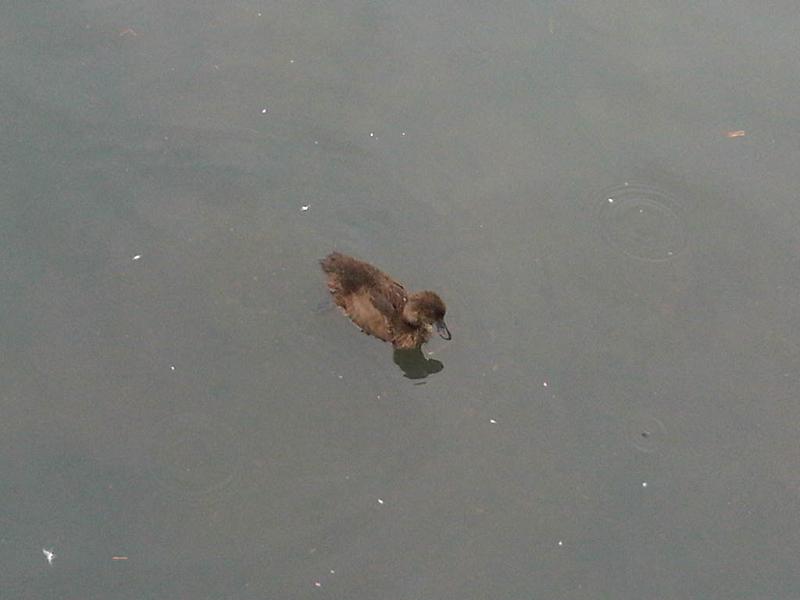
(644, 484)
(611, 201)
(380, 501)
(332, 572)
(403, 133)
(544, 383)
(137, 257)
(172, 367)
(317, 584)
(305, 207)
(49, 555)
(291, 60)
(371, 134)
(492, 421)
(316, 141)
(264, 111)
(560, 543)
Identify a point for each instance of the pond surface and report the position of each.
(605, 195)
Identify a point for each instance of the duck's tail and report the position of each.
(347, 274)
(333, 263)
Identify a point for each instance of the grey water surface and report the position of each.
(605, 194)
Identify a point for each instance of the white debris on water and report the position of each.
(49, 555)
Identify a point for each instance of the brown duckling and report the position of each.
(380, 306)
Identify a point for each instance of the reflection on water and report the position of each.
(415, 365)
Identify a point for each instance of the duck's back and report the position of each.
(350, 274)
(372, 299)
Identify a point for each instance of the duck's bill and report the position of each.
(443, 331)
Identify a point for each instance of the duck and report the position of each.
(381, 306)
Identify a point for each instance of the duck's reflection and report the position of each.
(414, 364)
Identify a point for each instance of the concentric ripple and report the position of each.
(641, 222)
(195, 456)
(645, 432)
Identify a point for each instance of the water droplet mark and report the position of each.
(195, 456)
(642, 222)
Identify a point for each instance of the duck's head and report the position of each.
(426, 310)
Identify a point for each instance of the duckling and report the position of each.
(380, 306)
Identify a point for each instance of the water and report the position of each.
(616, 414)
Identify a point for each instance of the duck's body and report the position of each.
(380, 306)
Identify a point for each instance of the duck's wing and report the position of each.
(362, 311)
(389, 299)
